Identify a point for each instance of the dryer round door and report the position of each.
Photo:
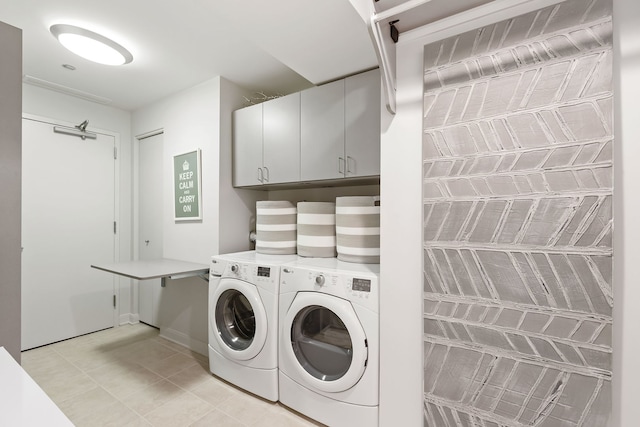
(238, 319)
(324, 342)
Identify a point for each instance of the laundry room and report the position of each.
(481, 313)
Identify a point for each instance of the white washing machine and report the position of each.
(243, 320)
(329, 340)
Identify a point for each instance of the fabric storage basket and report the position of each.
(358, 229)
(317, 229)
(275, 227)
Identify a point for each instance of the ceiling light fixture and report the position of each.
(90, 45)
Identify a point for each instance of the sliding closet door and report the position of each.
(518, 140)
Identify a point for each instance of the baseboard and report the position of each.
(129, 319)
(184, 340)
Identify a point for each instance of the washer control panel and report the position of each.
(253, 273)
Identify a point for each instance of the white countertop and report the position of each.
(156, 268)
(22, 401)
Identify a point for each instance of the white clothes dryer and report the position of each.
(243, 320)
(329, 340)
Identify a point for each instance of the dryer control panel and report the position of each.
(360, 288)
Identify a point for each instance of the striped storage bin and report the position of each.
(317, 229)
(275, 227)
(358, 229)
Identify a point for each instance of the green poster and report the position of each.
(186, 183)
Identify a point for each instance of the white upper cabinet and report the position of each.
(362, 124)
(326, 133)
(247, 146)
(281, 139)
(340, 126)
(322, 132)
(266, 143)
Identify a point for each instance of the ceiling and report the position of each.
(423, 12)
(274, 48)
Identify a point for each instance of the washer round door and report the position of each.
(324, 342)
(238, 319)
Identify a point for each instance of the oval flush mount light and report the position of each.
(90, 45)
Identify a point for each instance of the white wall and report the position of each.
(400, 248)
(189, 120)
(69, 109)
(626, 249)
(10, 192)
(199, 117)
(323, 194)
(237, 207)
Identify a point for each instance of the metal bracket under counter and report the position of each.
(163, 268)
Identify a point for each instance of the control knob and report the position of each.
(235, 268)
(319, 280)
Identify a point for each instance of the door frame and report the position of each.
(116, 202)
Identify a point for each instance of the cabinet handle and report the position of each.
(260, 175)
(341, 165)
(266, 175)
(349, 161)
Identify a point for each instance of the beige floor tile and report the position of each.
(83, 405)
(60, 390)
(181, 411)
(215, 392)
(123, 378)
(171, 365)
(136, 332)
(218, 419)
(37, 357)
(192, 377)
(87, 357)
(155, 395)
(114, 341)
(48, 366)
(172, 345)
(114, 376)
(69, 348)
(245, 408)
(113, 415)
(180, 348)
(143, 352)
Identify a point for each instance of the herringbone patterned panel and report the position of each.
(517, 187)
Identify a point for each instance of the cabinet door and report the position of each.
(281, 139)
(247, 146)
(322, 132)
(362, 124)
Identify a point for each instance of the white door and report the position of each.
(68, 214)
(150, 223)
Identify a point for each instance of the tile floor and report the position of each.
(129, 376)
